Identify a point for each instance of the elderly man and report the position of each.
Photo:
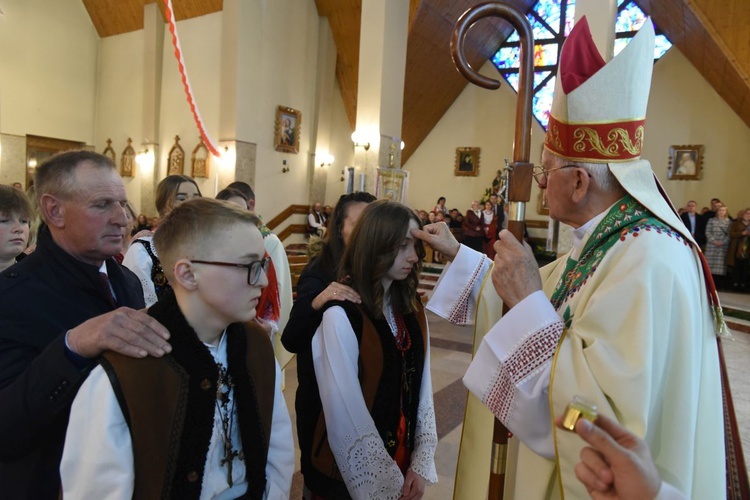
(316, 220)
(624, 319)
(60, 308)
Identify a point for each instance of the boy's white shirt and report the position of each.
(97, 459)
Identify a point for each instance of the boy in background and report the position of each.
(209, 420)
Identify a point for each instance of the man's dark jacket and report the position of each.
(700, 227)
(41, 298)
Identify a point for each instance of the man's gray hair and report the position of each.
(599, 172)
(56, 176)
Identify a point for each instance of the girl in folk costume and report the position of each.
(375, 434)
(440, 208)
(141, 258)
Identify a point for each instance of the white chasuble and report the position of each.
(635, 336)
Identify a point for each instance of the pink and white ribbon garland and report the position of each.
(186, 82)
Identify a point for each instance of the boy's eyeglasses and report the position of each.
(254, 268)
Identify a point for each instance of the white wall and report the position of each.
(287, 55)
(341, 147)
(288, 65)
(200, 39)
(119, 108)
(48, 58)
(683, 109)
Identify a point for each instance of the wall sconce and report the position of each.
(145, 159)
(325, 159)
(402, 145)
(359, 139)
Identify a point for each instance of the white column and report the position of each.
(153, 50)
(323, 111)
(380, 89)
(601, 15)
(241, 42)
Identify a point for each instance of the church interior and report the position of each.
(307, 100)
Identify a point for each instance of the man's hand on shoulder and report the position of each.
(440, 238)
(124, 330)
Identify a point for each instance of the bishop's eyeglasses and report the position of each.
(254, 268)
(540, 173)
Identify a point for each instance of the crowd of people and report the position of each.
(104, 397)
(725, 241)
(478, 228)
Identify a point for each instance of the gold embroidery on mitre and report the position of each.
(553, 136)
(617, 138)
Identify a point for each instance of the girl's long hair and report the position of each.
(371, 251)
(333, 246)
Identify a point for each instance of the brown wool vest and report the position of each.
(371, 369)
(153, 395)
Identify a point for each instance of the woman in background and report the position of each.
(473, 230)
(318, 283)
(489, 226)
(717, 244)
(372, 371)
(141, 257)
(440, 207)
(130, 231)
(142, 225)
(15, 214)
(738, 255)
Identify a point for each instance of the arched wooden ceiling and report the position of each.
(114, 17)
(714, 35)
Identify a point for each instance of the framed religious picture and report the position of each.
(39, 149)
(109, 152)
(176, 158)
(392, 184)
(685, 163)
(199, 161)
(127, 160)
(286, 138)
(467, 162)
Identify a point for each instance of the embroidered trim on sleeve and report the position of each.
(461, 313)
(535, 351)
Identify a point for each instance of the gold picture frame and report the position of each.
(176, 158)
(127, 160)
(286, 138)
(467, 162)
(200, 161)
(685, 163)
(109, 152)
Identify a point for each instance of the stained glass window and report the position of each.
(551, 21)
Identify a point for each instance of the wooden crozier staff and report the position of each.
(519, 172)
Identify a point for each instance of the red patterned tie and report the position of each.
(108, 289)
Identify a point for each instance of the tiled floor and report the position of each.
(450, 351)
